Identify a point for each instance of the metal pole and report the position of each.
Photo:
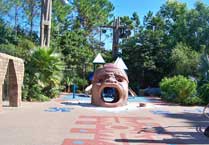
(94, 67)
(100, 37)
(74, 91)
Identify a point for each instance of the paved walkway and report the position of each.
(67, 122)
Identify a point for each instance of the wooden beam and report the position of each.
(45, 26)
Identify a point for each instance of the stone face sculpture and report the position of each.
(110, 81)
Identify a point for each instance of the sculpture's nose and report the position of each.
(111, 78)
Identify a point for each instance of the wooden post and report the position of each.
(116, 36)
(46, 11)
(116, 33)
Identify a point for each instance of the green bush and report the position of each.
(179, 89)
(41, 98)
(204, 92)
(192, 100)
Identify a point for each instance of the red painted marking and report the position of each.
(119, 127)
(109, 128)
(86, 122)
(83, 130)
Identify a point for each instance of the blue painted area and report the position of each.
(160, 112)
(57, 109)
(138, 99)
(78, 142)
(76, 97)
(83, 130)
(87, 98)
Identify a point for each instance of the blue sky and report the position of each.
(127, 7)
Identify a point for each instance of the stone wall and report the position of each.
(15, 68)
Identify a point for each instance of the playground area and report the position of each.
(72, 120)
(104, 72)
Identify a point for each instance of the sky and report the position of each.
(127, 7)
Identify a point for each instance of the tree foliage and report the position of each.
(92, 13)
(168, 43)
(43, 73)
(185, 60)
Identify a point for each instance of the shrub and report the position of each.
(43, 75)
(41, 98)
(179, 89)
(192, 100)
(204, 92)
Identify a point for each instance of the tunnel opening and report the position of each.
(110, 95)
(5, 90)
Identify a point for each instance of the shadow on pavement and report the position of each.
(78, 104)
(191, 134)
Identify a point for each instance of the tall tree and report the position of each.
(185, 60)
(92, 13)
(136, 22)
(198, 27)
(61, 21)
(173, 13)
(142, 52)
(32, 11)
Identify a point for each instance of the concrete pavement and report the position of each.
(74, 122)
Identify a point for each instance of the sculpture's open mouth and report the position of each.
(110, 95)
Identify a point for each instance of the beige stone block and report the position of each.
(1, 103)
(16, 74)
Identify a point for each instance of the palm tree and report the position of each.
(46, 69)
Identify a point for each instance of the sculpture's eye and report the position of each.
(119, 79)
(100, 80)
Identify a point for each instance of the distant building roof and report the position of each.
(99, 59)
(120, 63)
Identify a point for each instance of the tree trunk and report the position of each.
(16, 19)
